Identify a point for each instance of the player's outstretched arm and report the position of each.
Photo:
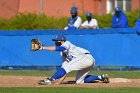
(54, 48)
(50, 48)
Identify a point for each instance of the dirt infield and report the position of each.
(31, 81)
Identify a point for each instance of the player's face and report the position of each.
(73, 15)
(59, 43)
(89, 19)
(117, 13)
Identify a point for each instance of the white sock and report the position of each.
(99, 77)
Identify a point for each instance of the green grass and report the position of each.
(113, 74)
(68, 90)
(26, 72)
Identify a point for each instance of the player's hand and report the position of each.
(36, 45)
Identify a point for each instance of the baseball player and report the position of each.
(74, 21)
(74, 59)
(119, 19)
(90, 23)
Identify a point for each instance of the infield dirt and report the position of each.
(31, 81)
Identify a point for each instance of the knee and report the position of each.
(79, 81)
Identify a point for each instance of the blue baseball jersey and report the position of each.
(120, 21)
(137, 24)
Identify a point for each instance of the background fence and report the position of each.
(110, 47)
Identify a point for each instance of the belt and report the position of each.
(86, 53)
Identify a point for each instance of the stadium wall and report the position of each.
(55, 8)
(110, 47)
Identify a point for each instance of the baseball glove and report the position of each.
(36, 45)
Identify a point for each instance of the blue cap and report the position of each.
(88, 14)
(73, 10)
(59, 38)
(117, 9)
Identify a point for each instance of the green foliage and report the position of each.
(30, 21)
(132, 17)
(104, 21)
(34, 21)
(3, 23)
(27, 72)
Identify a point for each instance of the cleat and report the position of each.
(105, 78)
(45, 82)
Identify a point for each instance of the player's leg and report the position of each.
(76, 64)
(83, 64)
(79, 63)
(61, 73)
(81, 75)
(91, 78)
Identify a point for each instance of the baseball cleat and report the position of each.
(45, 82)
(105, 78)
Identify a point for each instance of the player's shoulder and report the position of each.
(93, 19)
(84, 23)
(67, 42)
(78, 17)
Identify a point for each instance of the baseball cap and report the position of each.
(59, 38)
(88, 14)
(73, 10)
(117, 9)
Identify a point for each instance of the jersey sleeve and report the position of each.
(93, 22)
(123, 21)
(114, 23)
(78, 22)
(66, 45)
(84, 24)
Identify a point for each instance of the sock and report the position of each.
(90, 78)
(60, 73)
(100, 77)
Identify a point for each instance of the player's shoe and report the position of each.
(45, 82)
(105, 78)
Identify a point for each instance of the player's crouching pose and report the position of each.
(74, 58)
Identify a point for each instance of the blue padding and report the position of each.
(69, 32)
(109, 47)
